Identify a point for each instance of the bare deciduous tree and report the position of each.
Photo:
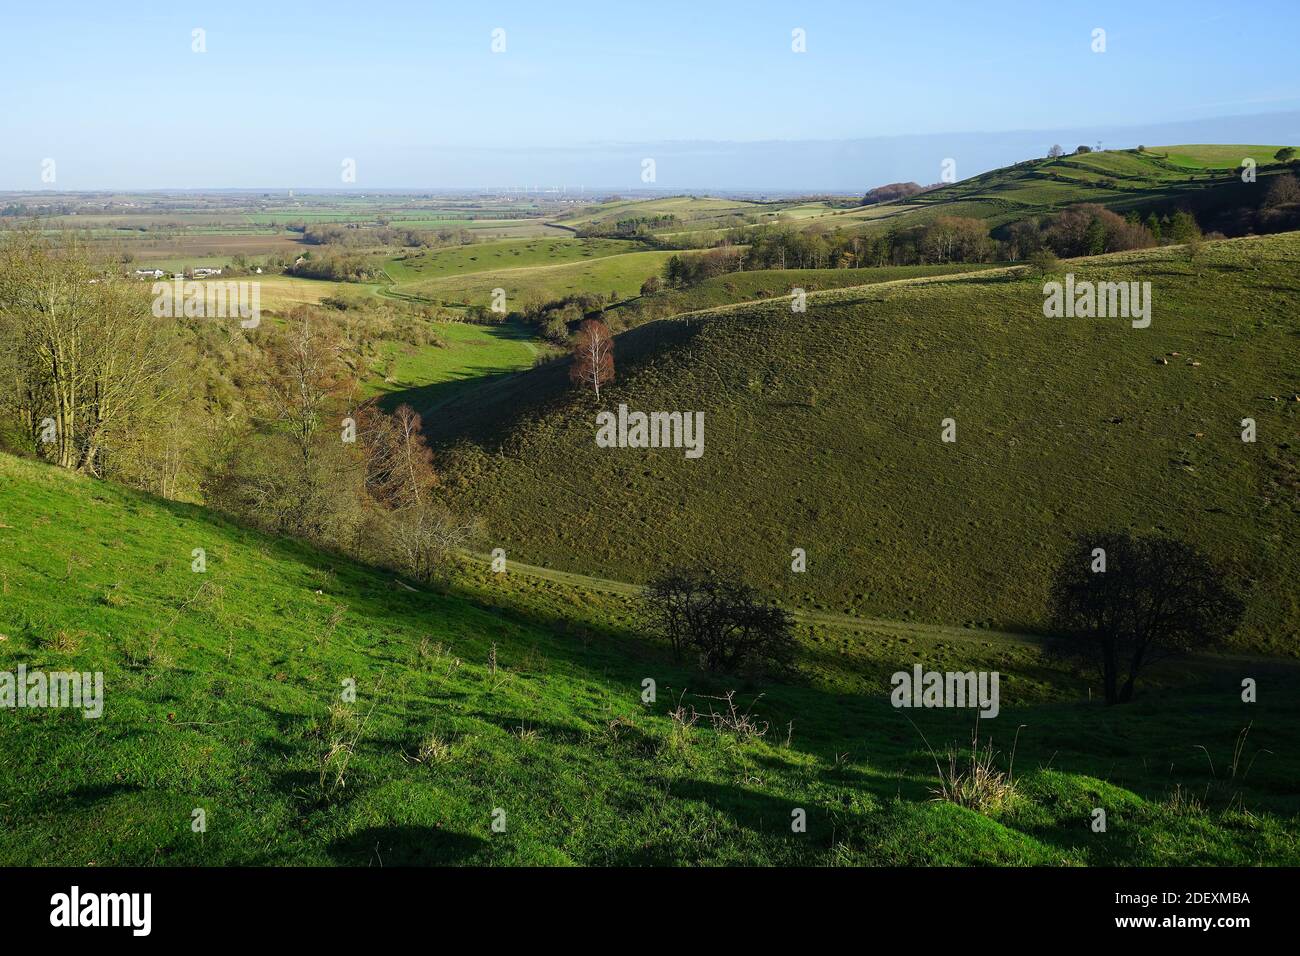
(720, 618)
(82, 354)
(399, 464)
(305, 375)
(424, 534)
(593, 355)
(1282, 191)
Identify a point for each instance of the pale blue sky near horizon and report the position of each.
(116, 96)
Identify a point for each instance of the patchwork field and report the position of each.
(700, 212)
(279, 293)
(176, 230)
(189, 248)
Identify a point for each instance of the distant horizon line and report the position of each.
(869, 161)
(433, 190)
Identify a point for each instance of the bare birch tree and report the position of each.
(593, 356)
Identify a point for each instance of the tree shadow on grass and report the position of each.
(774, 817)
(426, 398)
(519, 726)
(88, 795)
(406, 845)
(1144, 747)
(488, 412)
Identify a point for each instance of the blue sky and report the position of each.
(412, 92)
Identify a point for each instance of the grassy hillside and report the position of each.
(695, 212)
(1204, 179)
(771, 283)
(280, 293)
(544, 270)
(222, 693)
(823, 432)
(425, 375)
(1214, 156)
(496, 256)
(619, 274)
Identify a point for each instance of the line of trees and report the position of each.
(337, 267)
(689, 268)
(554, 318)
(635, 227)
(362, 235)
(265, 424)
(84, 364)
(313, 462)
(891, 191)
(1086, 229)
(945, 239)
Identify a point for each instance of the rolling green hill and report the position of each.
(772, 283)
(694, 212)
(823, 432)
(424, 375)
(1204, 179)
(503, 694)
(415, 267)
(619, 274)
(526, 269)
(1214, 156)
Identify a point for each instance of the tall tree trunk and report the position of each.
(1110, 673)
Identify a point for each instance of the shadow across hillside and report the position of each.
(487, 413)
(405, 846)
(1146, 747)
(428, 398)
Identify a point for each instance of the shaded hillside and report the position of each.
(823, 432)
(222, 691)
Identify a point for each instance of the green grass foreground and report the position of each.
(222, 690)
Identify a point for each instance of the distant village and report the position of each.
(199, 272)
